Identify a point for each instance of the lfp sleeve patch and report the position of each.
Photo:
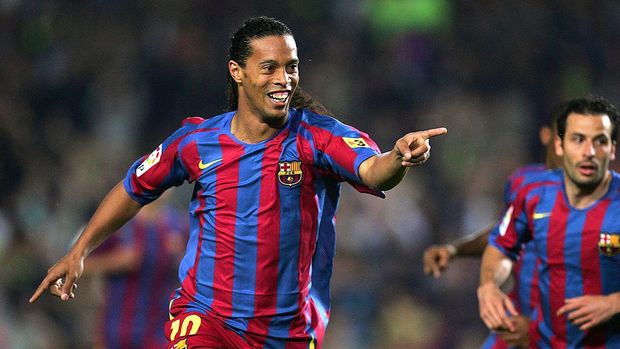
(151, 161)
(355, 142)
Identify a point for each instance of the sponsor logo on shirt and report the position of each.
(203, 166)
(609, 244)
(151, 161)
(355, 142)
(541, 215)
(289, 173)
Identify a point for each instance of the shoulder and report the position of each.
(194, 125)
(325, 126)
(615, 183)
(310, 118)
(527, 170)
(540, 182)
(198, 122)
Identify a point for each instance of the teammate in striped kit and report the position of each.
(567, 214)
(267, 176)
(437, 257)
(137, 266)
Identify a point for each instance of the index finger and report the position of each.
(433, 132)
(42, 287)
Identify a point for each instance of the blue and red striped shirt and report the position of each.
(524, 294)
(577, 251)
(262, 230)
(134, 308)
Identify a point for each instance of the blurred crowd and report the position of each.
(86, 87)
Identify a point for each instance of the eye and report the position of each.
(268, 68)
(577, 138)
(292, 68)
(601, 141)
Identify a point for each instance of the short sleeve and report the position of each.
(152, 174)
(340, 149)
(512, 231)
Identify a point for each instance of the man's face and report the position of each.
(587, 149)
(269, 78)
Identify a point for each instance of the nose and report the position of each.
(283, 78)
(589, 149)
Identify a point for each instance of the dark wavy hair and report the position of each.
(591, 105)
(240, 49)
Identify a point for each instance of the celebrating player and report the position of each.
(267, 176)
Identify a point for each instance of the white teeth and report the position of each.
(279, 96)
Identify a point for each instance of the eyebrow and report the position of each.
(272, 61)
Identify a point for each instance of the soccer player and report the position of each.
(138, 267)
(436, 258)
(571, 217)
(524, 293)
(267, 175)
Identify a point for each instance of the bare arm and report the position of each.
(473, 244)
(115, 210)
(493, 303)
(437, 257)
(119, 260)
(385, 171)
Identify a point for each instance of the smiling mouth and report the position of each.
(278, 97)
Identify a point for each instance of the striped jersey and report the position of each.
(135, 308)
(577, 251)
(524, 294)
(262, 228)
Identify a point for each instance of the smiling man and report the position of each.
(267, 176)
(571, 216)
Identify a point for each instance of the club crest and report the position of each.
(289, 173)
(609, 244)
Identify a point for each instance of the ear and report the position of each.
(235, 71)
(613, 151)
(546, 135)
(559, 148)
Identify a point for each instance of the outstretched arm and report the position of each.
(385, 171)
(437, 257)
(496, 309)
(115, 210)
(119, 260)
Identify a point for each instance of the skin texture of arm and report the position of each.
(496, 309)
(118, 260)
(114, 211)
(385, 171)
(437, 257)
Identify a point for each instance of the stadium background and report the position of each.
(88, 86)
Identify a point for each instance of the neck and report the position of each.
(582, 196)
(251, 129)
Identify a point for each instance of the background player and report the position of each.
(437, 257)
(266, 190)
(138, 267)
(570, 215)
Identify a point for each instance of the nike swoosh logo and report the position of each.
(539, 215)
(203, 166)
